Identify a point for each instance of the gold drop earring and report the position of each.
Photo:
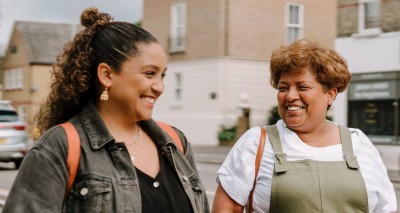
(104, 95)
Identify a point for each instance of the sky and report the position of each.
(61, 11)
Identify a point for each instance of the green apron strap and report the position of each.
(347, 148)
(280, 157)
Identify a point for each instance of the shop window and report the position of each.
(375, 118)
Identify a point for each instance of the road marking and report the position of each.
(3, 196)
(4, 192)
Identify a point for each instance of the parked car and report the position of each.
(14, 142)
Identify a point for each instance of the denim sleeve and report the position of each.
(190, 158)
(40, 183)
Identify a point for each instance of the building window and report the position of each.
(369, 12)
(13, 79)
(178, 86)
(178, 27)
(294, 22)
(13, 49)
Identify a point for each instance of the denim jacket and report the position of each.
(106, 179)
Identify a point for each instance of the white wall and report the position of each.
(371, 54)
(196, 114)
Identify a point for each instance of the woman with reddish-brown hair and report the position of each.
(308, 164)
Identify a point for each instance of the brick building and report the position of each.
(29, 58)
(219, 54)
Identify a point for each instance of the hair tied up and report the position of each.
(92, 17)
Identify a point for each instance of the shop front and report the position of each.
(373, 106)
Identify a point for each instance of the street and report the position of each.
(208, 161)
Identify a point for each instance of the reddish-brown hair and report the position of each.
(328, 67)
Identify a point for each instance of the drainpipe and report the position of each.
(396, 121)
(226, 28)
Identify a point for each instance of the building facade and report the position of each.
(219, 54)
(27, 65)
(369, 38)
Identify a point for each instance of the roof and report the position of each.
(44, 41)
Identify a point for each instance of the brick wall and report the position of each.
(238, 28)
(348, 17)
(390, 11)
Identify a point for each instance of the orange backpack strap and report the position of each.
(74, 153)
(172, 133)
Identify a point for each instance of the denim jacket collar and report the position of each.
(95, 127)
(99, 135)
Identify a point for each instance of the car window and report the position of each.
(8, 116)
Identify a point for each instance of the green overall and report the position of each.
(317, 186)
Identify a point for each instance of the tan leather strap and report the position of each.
(74, 153)
(260, 151)
(172, 133)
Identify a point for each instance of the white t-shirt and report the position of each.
(236, 174)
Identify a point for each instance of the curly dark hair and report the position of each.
(74, 78)
(329, 68)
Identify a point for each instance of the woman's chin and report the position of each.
(293, 124)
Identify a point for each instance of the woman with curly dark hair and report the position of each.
(105, 84)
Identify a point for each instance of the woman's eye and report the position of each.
(282, 89)
(163, 75)
(150, 73)
(303, 88)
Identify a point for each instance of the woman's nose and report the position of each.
(158, 86)
(292, 94)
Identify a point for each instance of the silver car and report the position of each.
(14, 141)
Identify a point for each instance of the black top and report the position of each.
(164, 193)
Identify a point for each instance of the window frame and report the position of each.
(13, 79)
(362, 17)
(178, 86)
(177, 41)
(299, 26)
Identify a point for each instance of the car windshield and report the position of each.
(8, 116)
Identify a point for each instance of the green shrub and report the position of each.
(273, 116)
(227, 133)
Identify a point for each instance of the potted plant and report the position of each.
(226, 136)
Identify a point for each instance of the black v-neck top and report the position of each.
(164, 193)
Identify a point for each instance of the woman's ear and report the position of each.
(104, 74)
(332, 93)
